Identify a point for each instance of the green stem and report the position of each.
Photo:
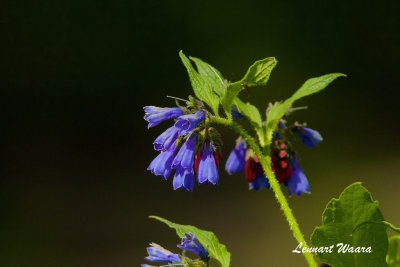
(265, 161)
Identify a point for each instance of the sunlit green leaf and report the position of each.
(215, 249)
(210, 74)
(311, 86)
(202, 87)
(340, 218)
(249, 111)
(393, 255)
(382, 223)
(258, 74)
(253, 115)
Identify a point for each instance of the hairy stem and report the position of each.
(265, 161)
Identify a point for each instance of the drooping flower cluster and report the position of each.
(178, 146)
(192, 150)
(188, 243)
(284, 160)
(243, 159)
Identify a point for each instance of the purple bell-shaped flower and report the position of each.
(155, 115)
(159, 254)
(237, 159)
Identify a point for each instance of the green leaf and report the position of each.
(229, 96)
(210, 74)
(249, 111)
(258, 74)
(314, 85)
(253, 115)
(393, 255)
(311, 86)
(383, 223)
(202, 88)
(340, 218)
(215, 249)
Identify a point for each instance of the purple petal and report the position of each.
(208, 172)
(165, 140)
(162, 164)
(237, 159)
(155, 115)
(187, 123)
(185, 156)
(298, 182)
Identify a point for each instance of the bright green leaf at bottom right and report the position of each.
(340, 218)
(393, 256)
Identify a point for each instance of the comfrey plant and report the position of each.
(190, 150)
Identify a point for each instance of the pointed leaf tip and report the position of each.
(257, 74)
(202, 87)
(309, 87)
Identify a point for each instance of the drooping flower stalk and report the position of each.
(265, 161)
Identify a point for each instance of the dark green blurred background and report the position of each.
(74, 147)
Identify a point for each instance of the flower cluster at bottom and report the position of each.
(189, 243)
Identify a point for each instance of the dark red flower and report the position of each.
(253, 169)
(250, 170)
(217, 158)
(197, 160)
(281, 162)
(282, 170)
